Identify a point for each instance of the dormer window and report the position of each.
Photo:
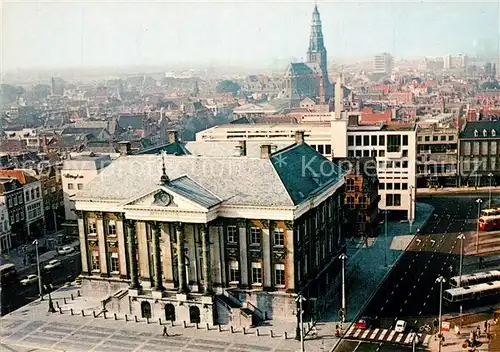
(476, 133)
(485, 133)
(493, 133)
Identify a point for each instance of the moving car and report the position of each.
(65, 250)
(400, 326)
(28, 280)
(362, 323)
(52, 264)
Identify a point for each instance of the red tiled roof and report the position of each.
(17, 174)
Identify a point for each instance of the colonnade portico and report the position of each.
(178, 259)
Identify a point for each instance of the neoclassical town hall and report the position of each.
(212, 239)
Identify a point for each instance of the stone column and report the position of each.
(122, 255)
(132, 255)
(84, 246)
(205, 250)
(103, 250)
(155, 239)
(266, 253)
(242, 232)
(181, 261)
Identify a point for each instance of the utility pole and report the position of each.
(385, 239)
(300, 312)
(440, 280)
(35, 242)
(478, 201)
(461, 237)
(490, 175)
(343, 257)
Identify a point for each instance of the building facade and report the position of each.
(76, 173)
(5, 234)
(437, 156)
(11, 194)
(478, 146)
(383, 63)
(213, 239)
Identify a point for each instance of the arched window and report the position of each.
(493, 133)
(194, 314)
(485, 133)
(169, 312)
(476, 133)
(145, 309)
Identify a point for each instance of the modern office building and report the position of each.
(383, 63)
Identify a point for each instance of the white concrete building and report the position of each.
(395, 161)
(76, 173)
(5, 234)
(30, 135)
(383, 63)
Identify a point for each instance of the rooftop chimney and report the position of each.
(265, 151)
(124, 148)
(172, 136)
(242, 147)
(299, 137)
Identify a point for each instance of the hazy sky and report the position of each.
(104, 33)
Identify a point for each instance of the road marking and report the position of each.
(391, 335)
(415, 286)
(406, 301)
(365, 334)
(420, 313)
(382, 334)
(382, 309)
(359, 344)
(372, 336)
(350, 330)
(401, 310)
(358, 331)
(400, 336)
(425, 304)
(388, 300)
(409, 294)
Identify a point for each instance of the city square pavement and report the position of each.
(33, 328)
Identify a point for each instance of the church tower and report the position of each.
(316, 54)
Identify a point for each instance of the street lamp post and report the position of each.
(410, 216)
(490, 175)
(344, 311)
(478, 201)
(441, 280)
(300, 312)
(385, 239)
(461, 237)
(35, 242)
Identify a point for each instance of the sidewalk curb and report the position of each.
(380, 283)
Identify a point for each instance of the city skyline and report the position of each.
(83, 35)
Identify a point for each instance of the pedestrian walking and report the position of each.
(165, 333)
(478, 333)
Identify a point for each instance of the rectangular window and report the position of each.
(374, 153)
(434, 138)
(279, 237)
(358, 141)
(393, 143)
(10, 202)
(381, 153)
(328, 149)
(404, 186)
(405, 139)
(366, 153)
(111, 228)
(366, 140)
(70, 186)
(397, 200)
(79, 186)
(256, 273)
(389, 186)
(38, 192)
(22, 215)
(419, 138)
(350, 141)
(231, 234)
(92, 225)
(27, 195)
(255, 235)
(374, 140)
(234, 272)
(443, 138)
(451, 137)
(381, 185)
(358, 153)
(381, 140)
(405, 153)
(279, 275)
(349, 185)
(32, 194)
(321, 149)
(94, 260)
(114, 263)
(427, 138)
(397, 186)
(350, 153)
(15, 200)
(405, 164)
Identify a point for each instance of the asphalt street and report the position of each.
(410, 292)
(14, 296)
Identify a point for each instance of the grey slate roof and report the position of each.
(277, 181)
(480, 126)
(192, 190)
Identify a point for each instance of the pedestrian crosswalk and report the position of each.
(387, 335)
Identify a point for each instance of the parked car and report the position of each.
(65, 250)
(52, 264)
(400, 326)
(362, 323)
(28, 280)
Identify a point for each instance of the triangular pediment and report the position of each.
(162, 198)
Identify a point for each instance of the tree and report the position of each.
(9, 94)
(40, 92)
(228, 86)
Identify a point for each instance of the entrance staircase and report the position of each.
(232, 311)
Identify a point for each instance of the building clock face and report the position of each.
(163, 198)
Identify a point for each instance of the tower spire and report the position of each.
(164, 180)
